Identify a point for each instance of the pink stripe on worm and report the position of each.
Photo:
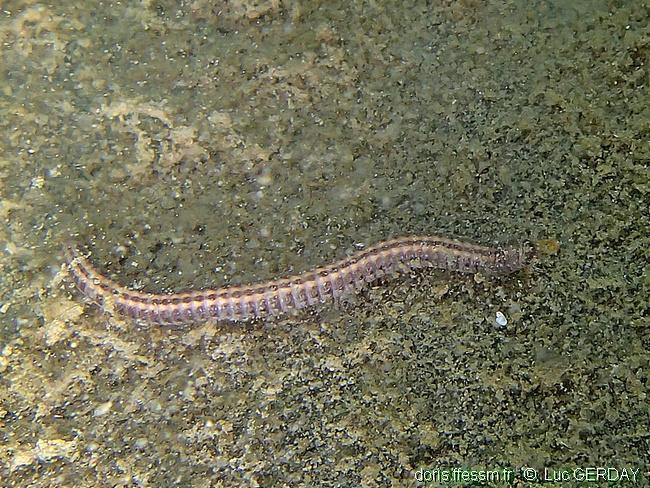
(235, 303)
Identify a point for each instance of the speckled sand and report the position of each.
(230, 142)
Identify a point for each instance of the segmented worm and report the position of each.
(276, 297)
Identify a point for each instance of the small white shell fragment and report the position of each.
(501, 320)
(103, 409)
